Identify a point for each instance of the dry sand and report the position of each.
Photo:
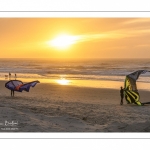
(60, 108)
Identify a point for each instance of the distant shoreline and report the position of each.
(79, 83)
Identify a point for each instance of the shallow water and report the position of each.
(98, 73)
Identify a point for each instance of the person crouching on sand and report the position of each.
(121, 95)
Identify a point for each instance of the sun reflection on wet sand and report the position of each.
(63, 81)
(83, 83)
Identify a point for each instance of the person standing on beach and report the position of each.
(12, 92)
(122, 95)
(15, 76)
(9, 75)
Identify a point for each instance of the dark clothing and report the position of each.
(12, 92)
(122, 96)
(15, 76)
(9, 75)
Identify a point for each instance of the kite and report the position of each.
(17, 85)
(130, 88)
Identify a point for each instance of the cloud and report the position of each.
(137, 21)
(113, 35)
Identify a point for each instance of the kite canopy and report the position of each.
(17, 85)
(130, 88)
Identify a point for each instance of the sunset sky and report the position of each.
(75, 37)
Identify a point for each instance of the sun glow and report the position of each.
(63, 81)
(63, 41)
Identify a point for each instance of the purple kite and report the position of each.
(17, 85)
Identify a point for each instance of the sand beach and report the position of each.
(50, 107)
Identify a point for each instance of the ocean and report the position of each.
(90, 71)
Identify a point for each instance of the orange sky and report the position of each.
(99, 37)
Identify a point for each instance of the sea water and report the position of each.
(88, 72)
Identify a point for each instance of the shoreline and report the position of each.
(100, 84)
(75, 82)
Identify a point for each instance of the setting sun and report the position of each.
(63, 41)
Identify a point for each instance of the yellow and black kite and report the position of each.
(130, 88)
